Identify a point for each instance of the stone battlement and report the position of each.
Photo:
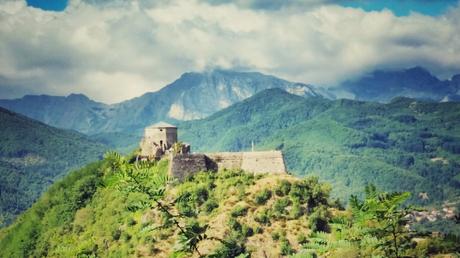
(183, 165)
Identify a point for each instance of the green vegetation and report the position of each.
(118, 208)
(405, 145)
(262, 197)
(34, 155)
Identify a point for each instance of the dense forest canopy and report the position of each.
(32, 156)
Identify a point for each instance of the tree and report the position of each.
(144, 177)
(383, 216)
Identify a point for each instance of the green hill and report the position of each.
(405, 145)
(32, 156)
(119, 208)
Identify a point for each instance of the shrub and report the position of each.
(318, 220)
(116, 234)
(131, 222)
(263, 196)
(296, 210)
(200, 194)
(286, 248)
(239, 211)
(262, 217)
(234, 224)
(302, 239)
(185, 209)
(247, 231)
(283, 188)
(279, 207)
(126, 237)
(276, 235)
(210, 205)
(259, 230)
(230, 248)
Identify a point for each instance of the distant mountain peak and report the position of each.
(77, 96)
(456, 78)
(417, 70)
(384, 85)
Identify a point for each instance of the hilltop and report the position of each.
(32, 156)
(119, 208)
(405, 145)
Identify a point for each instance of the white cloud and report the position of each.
(118, 50)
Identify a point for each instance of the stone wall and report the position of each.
(264, 162)
(183, 165)
(228, 160)
(254, 162)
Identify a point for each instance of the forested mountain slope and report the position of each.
(32, 156)
(403, 145)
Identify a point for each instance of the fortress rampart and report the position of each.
(183, 165)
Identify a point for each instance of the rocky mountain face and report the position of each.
(383, 86)
(192, 96)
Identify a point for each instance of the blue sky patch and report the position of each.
(404, 7)
(48, 5)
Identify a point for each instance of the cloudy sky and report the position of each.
(115, 50)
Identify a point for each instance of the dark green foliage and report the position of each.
(262, 197)
(280, 205)
(185, 208)
(247, 231)
(131, 222)
(383, 216)
(233, 224)
(116, 234)
(239, 211)
(191, 235)
(259, 230)
(230, 247)
(318, 221)
(210, 205)
(34, 155)
(283, 188)
(296, 210)
(262, 217)
(276, 235)
(302, 239)
(286, 248)
(54, 211)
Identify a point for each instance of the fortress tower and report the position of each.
(158, 139)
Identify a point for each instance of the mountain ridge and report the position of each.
(197, 95)
(193, 95)
(415, 82)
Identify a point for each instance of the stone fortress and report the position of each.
(161, 139)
